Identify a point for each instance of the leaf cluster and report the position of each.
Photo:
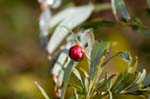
(94, 82)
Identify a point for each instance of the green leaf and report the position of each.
(133, 88)
(96, 54)
(103, 85)
(110, 95)
(70, 18)
(141, 92)
(58, 66)
(119, 5)
(95, 70)
(76, 94)
(70, 65)
(139, 79)
(86, 80)
(59, 82)
(126, 82)
(133, 64)
(125, 56)
(117, 82)
(86, 37)
(97, 24)
(86, 84)
(142, 77)
(77, 74)
(41, 90)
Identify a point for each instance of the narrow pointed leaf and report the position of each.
(59, 82)
(96, 54)
(142, 77)
(103, 85)
(78, 75)
(61, 60)
(41, 90)
(86, 79)
(86, 84)
(110, 95)
(119, 5)
(86, 37)
(67, 73)
(76, 94)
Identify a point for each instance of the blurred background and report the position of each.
(23, 61)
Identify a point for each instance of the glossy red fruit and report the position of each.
(76, 53)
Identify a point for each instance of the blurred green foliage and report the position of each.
(22, 59)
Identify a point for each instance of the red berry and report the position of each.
(76, 53)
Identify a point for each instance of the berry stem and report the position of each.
(72, 33)
(76, 40)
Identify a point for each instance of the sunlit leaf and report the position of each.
(58, 66)
(86, 84)
(78, 75)
(70, 18)
(119, 5)
(110, 95)
(76, 94)
(134, 63)
(86, 79)
(60, 78)
(41, 90)
(142, 77)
